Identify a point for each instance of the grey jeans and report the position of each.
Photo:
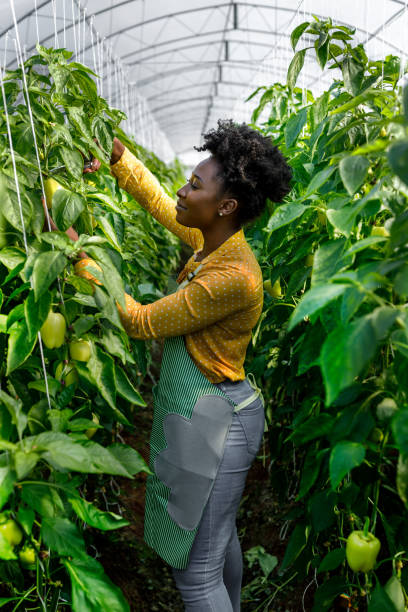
(212, 580)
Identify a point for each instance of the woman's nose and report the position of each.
(181, 193)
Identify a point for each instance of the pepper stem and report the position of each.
(366, 525)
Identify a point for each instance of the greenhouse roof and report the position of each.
(176, 67)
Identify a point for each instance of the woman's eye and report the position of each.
(193, 185)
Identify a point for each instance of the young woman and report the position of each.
(208, 416)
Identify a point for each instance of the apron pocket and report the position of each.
(189, 464)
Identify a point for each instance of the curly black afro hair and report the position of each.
(252, 168)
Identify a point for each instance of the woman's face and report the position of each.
(200, 200)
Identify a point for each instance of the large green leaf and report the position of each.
(319, 179)
(328, 259)
(73, 160)
(295, 67)
(7, 480)
(63, 537)
(102, 368)
(15, 408)
(313, 300)
(284, 214)
(398, 159)
(297, 33)
(125, 388)
(66, 208)
(353, 171)
(400, 430)
(294, 126)
(19, 345)
(36, 312)
(10, 206)
(296, 544)
(92, 590)
(111, 277)
(47, 267)
(345, 353)
(94, 517)
(130, 458)
(332, 560)
(353, 74)
(343, 458)
(380, 602)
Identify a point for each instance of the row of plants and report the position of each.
(69, 374)
(331, 348)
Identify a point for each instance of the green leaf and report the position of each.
(327, 592)
(353, 74)
(328, 259)
(66, 208)
(296, 544)
(36, 312)
(24, 463)
(103, 461)
(295, 67)
(125, 388)
(284, 214)
(63, 537)
(43, 499)
(380, 602)
(319, 179)
(314, 427)
(313, 300)
(11, 257)
(343, 458)
(297, 33)
(7, 480)
(92, 590)
(130, 458)
(332, 560)
(60, 451)
(94, 517)
(112, 279)
(345, 353)
(73, 160)
(398, 159)
(10, 206)
(103, 132)
(395, 592)
(47, 267)
(402, 475)
(15, 408)
(360, 245)
(353, 172)
(294, 126)
(102, 368)
(310, 471)
(400, 430)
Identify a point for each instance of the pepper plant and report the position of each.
(68, 370)
(331, 353)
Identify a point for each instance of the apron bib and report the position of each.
(191, 421)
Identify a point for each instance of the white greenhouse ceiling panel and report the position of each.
(176, 66)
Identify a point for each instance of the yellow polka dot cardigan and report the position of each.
(217, 310)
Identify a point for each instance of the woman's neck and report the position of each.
(213, 241)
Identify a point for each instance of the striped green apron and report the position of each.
(191, 422)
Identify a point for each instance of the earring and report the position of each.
(220, 213)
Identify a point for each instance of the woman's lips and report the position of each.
(180, 206)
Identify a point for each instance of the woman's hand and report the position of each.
(94, 165)
(117, 150)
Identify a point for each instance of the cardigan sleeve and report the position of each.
(143, 186)
(208, 298)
